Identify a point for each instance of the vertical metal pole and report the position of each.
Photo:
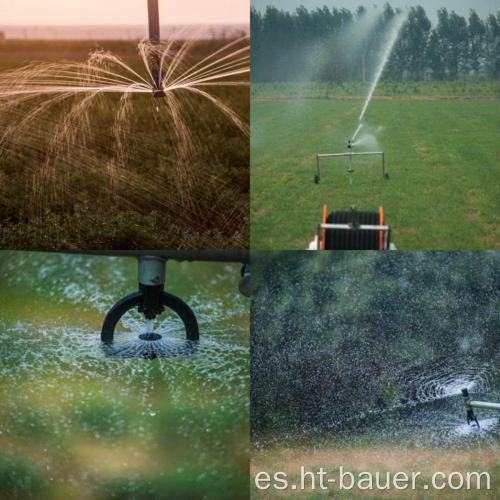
(154, 38)
(350, 169)
(154, 22)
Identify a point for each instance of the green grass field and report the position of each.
(442, 156)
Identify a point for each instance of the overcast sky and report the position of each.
(57, 12)
(483, 7)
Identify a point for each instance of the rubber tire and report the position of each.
(134, 299)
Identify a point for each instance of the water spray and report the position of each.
(155, 40)
(151, 300)
(470, 405)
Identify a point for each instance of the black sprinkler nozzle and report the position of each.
(150, 300)
(349, 144)
(471, 417)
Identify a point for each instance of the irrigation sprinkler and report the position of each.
(151, 300)
(349, 154)
(155, 40)
(352, 230)
(470, 405)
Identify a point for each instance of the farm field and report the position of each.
(127, 175)
(442, 156)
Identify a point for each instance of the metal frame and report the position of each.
(364, 227)
(350, 154)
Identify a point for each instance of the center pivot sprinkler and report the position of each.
(349, 154)
(150, 300)
(155, 40)
(470, 405)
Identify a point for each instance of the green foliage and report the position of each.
(101, 416)
(20, 480)
(326, 45)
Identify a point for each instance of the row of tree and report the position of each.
(338, 45)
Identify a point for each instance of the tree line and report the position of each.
(338, 45)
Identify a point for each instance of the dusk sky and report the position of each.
(84, 12)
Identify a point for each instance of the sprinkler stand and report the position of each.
(470, 405)
(350, 153)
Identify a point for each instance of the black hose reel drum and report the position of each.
(353, 230)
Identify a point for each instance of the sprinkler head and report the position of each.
(349, 144)
(471, 417)
(159, 92)
(150, 300)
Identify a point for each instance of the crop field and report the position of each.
(128, 173)
(441, 150)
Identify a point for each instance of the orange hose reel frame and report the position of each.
(381, 223)
(323, 231)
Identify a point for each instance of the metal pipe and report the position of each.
(324, 155)
(238, 256)
(350, 169)
(485, 404)
(154, 22)
(364, 227)
(350, 154)
(151, 270)
(155, 40)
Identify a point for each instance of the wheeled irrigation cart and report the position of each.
(151, 299)
(349, 154)
(353, 230)
(470, 405)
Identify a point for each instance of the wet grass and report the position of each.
(156, 199)
(441, 155)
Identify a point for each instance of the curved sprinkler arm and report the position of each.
(470, 405)
(151, 300)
